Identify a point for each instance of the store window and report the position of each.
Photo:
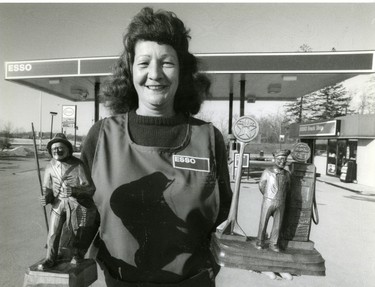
(320, 148)
(339, 153)
(349, 169)
(332, 157)
(351, 150)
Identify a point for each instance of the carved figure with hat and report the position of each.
(274, 185)
(67, 186)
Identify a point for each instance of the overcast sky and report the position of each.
(45, 31)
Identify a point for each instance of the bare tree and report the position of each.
(366, 97)
(220, 122)
(271, 126)
(6, 135)
(304, 48)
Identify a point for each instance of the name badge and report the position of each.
(191, 163)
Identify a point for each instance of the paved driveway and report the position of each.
(345, 235)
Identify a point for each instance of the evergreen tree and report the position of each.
(329, 102)
(297, 111)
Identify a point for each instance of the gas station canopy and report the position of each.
(265, 76)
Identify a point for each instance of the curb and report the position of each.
(345, 187)
(338, 185)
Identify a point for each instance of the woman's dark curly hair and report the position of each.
(162, 27)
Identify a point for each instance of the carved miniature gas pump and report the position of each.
(300, 203)
(297, 254)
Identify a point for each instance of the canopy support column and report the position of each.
(230, 104)
(242, 95)
(97, 100)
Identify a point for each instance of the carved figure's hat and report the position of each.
(283, 152)
(60, 137)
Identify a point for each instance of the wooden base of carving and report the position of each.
(63, 274)
(298, 258)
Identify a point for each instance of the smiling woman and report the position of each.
(155, 77)
(168, 33)
(161, 175)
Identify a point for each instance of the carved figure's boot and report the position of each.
(77, 257)
(275, 247)
(260, 244)
(46, 264)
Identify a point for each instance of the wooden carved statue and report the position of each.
(66, 186)
(274, 185)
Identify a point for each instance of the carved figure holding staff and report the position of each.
(66, 186)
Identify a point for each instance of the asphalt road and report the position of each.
(345, 235)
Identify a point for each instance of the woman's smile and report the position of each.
(156, 87)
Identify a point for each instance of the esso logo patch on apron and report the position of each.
(191, 163)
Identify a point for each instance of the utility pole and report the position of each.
(52, 115)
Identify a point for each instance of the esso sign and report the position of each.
(19, 67)
(185, 159)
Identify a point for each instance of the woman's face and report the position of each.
(155, 78)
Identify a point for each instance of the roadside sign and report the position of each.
(69, 116)
(245, 159)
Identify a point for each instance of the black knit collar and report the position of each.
(165, 121)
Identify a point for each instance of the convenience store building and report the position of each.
(339, 141)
